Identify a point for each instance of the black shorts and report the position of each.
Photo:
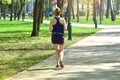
(57, 40)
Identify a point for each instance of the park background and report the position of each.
(24, 28)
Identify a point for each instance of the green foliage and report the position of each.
(9, 1)
(6, 1)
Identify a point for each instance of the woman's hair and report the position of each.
(57, 11)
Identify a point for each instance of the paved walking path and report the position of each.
(96, 57)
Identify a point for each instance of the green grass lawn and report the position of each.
(18, 50)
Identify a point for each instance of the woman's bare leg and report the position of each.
(61, 52)
(56, 46)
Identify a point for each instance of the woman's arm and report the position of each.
(65, 25)
(51, 26)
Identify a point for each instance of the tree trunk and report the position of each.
(82, 6)
(101, 11)
(113, 10)
(0, 11)
(15, 10)
(69, 8)
(46, 9)
(23, 11)
(73, 14)
(38, 11)
(21, 6)
(69, 20)
(41, 11)
(11, 11)
(60, 4)
(88, 3)
(118, 4)
(78, 12)
(108, 8)
(4, 12)
(35, 18)
(94, 14)
(66, 13)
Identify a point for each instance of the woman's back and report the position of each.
(54, 21)
(61, 21)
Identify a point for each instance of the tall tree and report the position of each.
(16, 9)
(118, 4)
(73, 14)
(78, 12)
(108, 9)
(82, 6)
(11, 7)
(88, 3)
(69, 18)
(42, 12)
(113, 8)
(95, 13)
(4, 11)
(4, 8)
(60, 4)
(46, 9)
(4, 4)
(70, 9)
(66, 13)
(38, 11)
(101, 11)
(21, 6)
(0, 8)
